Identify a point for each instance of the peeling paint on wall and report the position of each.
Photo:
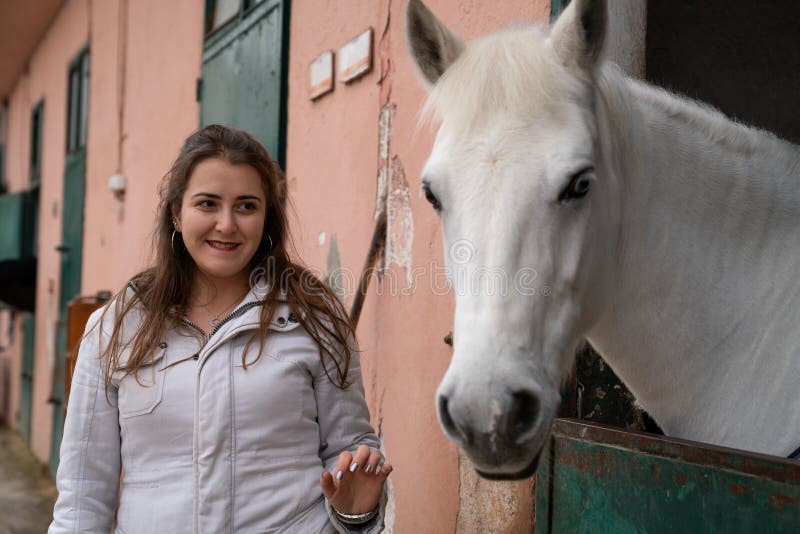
(384, 139)
(400, 220)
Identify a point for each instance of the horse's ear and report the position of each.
(579, 33)
(432, 45)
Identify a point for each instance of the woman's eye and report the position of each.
(248, 206)
(206, 204)
(430, 197)
(578, 186)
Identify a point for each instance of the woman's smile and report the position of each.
(223, 246)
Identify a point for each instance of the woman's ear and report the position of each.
(176, 219)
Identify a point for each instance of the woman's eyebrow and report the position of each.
(218, 197)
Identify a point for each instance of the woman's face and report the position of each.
(222, 218)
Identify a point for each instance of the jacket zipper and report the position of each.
(233, 315)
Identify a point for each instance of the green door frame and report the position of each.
(31, 236)
(556, 7)
(26, 382)
(71, 247)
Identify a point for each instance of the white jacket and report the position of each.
(205, 445)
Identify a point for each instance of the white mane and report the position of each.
(620, 92)
(510, 72)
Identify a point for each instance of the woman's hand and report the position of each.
(356, 484)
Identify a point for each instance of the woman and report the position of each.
(222, 381)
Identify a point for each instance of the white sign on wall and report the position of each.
(355, 57)
(321, 75)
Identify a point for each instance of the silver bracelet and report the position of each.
(354, 519)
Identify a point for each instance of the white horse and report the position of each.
(659, 230)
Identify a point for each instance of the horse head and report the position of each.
(528, 216)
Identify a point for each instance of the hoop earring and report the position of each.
(172, 243)
(270, 243)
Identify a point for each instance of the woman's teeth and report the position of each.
(217, 244)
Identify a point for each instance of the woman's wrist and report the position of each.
(354, 519)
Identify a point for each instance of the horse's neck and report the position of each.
(707, 294)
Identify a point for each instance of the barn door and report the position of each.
(244, 69)
(26, 382)
(71, 247)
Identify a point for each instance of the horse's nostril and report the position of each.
(444, 415)
(449, 425)
(523, 414)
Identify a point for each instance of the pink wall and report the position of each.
(332, 164)
(160, 64)
(161, 59)
(46, 77)
(10, 366)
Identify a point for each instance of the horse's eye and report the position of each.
(578, 187)
(430, 197)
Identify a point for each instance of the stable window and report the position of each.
(78, 103)
(220, 12)
(37, 124)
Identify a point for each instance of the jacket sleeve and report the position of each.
(89, 467)
(344, 425)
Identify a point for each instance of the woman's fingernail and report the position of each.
(353, 467)
(339, 475)
(377, 470)
(368, 468)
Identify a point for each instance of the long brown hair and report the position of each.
(161, 292)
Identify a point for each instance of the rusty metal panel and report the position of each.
(78, 311)
(600, 479)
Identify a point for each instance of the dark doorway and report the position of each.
(740, 56)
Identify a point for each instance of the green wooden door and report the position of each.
(71, 247)
(26, 383)
(244, 69)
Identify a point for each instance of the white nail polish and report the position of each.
(368, 468)
(339, 475)
(353, 467)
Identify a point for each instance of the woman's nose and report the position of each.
(226, 222)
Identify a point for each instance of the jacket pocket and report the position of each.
(140, 393)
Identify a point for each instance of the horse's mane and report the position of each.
(509, 72)
(620, 92)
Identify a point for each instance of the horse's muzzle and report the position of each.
(500, 434)
(519, 475)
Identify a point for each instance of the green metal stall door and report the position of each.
(26, 383)
(243, 72)
(597, 479)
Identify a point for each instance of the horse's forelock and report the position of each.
(510, 72)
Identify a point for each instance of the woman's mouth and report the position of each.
(222, 245)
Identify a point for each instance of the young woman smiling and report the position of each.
(223, 381)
